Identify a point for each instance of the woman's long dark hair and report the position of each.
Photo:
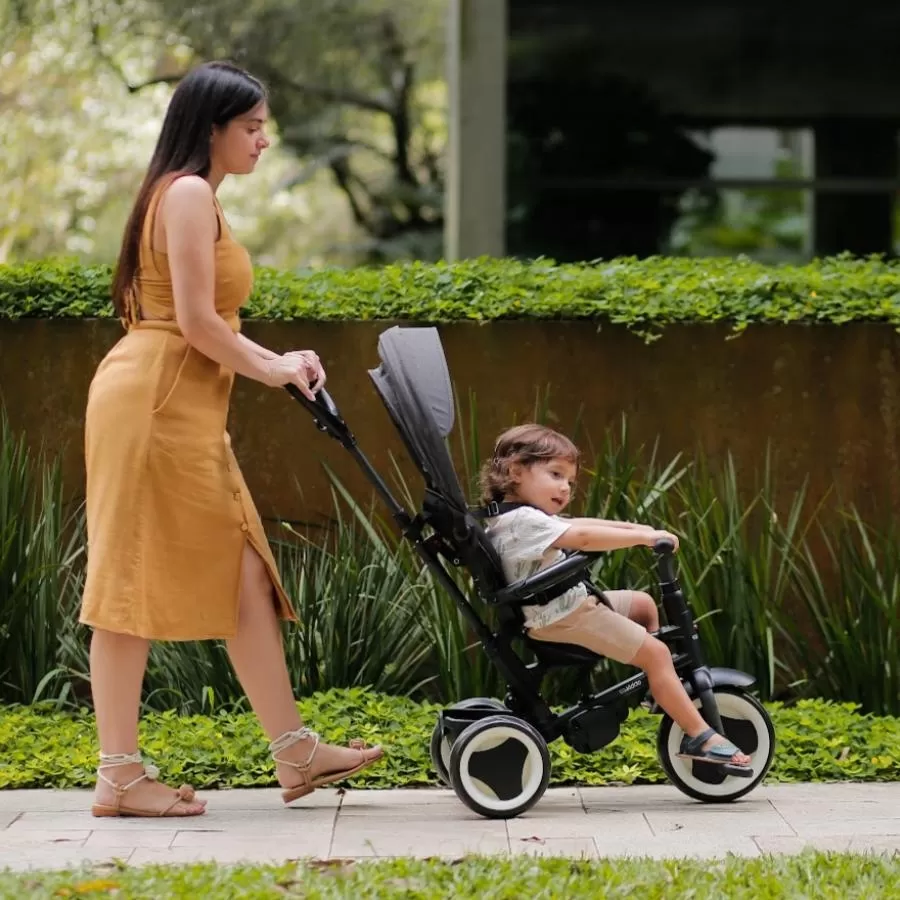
(211, 94)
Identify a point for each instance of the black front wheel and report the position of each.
(746, 724)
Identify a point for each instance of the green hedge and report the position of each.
(816, 741)
(643, 294)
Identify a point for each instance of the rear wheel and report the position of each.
(746, 724)
(500, 766)
(439, 747)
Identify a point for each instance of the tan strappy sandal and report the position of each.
(307, 784)
(184, 794)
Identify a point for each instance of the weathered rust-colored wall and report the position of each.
(826, 396)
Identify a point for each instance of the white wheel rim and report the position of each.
(533, 769)
(731, 706)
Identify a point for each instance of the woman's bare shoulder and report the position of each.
(188, 189)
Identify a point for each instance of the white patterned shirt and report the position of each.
(523, 539)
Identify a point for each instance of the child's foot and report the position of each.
(708, 746)
(737, 758)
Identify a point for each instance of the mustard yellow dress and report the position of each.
(168, 511)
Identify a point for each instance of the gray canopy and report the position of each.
(414, 384)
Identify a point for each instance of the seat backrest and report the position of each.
(414, 384)
(474, 548)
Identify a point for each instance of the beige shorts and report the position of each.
(594, 625)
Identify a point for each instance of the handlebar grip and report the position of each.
(664, 545)
(665, 562)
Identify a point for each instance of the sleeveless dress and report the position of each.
(168, 511)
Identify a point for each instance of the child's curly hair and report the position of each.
(525, 445)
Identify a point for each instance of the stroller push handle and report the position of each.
(325, 414)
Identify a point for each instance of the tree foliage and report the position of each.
(68, 146)
(355, 87)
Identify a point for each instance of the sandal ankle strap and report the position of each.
(288, 739)
(115, 760)
(108, 760)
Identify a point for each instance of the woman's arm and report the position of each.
(189, 220)
(259, 350)
(315, 372)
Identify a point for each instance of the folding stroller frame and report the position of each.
(494, 754)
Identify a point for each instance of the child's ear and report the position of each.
(515, 472)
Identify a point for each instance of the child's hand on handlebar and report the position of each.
(654, 536)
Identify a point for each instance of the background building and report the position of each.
(703, 126)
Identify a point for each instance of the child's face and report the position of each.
(547, 484)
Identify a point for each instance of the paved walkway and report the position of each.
(52, 829)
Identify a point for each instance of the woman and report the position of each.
(177, 550)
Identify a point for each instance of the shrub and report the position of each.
(40, 747)
(644, 295)
(856, 617)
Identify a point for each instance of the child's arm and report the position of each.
(628, 526)
(595, 535)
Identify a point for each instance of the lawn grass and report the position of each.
(818, 875)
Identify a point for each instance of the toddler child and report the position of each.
(536, 467)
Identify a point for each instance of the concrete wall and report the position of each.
(826, 396)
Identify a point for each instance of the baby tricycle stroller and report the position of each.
(494, 754)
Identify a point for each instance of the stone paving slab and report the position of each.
(54, 829)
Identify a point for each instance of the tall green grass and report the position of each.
(736, 561)
(40, 551)
(806, 599)
(853, 603)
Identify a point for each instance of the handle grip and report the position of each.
(664, 545)
(322, 403)
(325, 414)
(665, 563)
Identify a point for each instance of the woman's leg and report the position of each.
(118, 662)
(257, 655)
(655, 659)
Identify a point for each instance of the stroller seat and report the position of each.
(553, 654)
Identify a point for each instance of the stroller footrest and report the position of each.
(738, 771)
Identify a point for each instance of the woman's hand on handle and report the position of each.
(289, 369)
(315, 370)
